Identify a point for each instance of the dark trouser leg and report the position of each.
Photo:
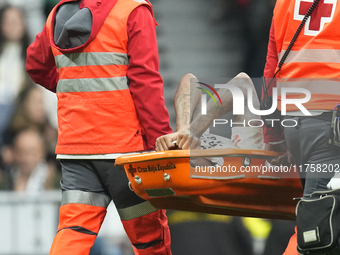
(146, 226)
(308, 144)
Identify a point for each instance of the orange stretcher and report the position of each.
(243, 187)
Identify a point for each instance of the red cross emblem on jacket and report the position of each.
(323, 14)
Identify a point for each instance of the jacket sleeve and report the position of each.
(146, 84)
(40, 63)
(269, 71)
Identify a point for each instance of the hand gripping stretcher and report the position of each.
(168, 181)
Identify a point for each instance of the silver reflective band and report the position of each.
(87, 198)
(91, 59)
(312, 55)
(315, 86)
(92, 84)
(136, 211)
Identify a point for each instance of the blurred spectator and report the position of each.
(34, 16)
(29, 112)
(13, 43)
(30, 172)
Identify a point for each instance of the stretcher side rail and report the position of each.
(168, 181)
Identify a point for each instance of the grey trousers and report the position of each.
(315, 158)
(97, 182)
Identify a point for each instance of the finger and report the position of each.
(163, 142)
(162, 147)
(168, 142)
(182, 137)
(181, 140)
(174, 138)
(186, 144)
(178, 139)
(159, 146)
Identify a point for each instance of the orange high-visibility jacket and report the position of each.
(314, 61)
(96, 113)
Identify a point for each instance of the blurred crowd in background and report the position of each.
(28, 123)
(28, 129)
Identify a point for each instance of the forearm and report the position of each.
(186, 99)
(201, 122)
(182, 110)
(215, 111)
